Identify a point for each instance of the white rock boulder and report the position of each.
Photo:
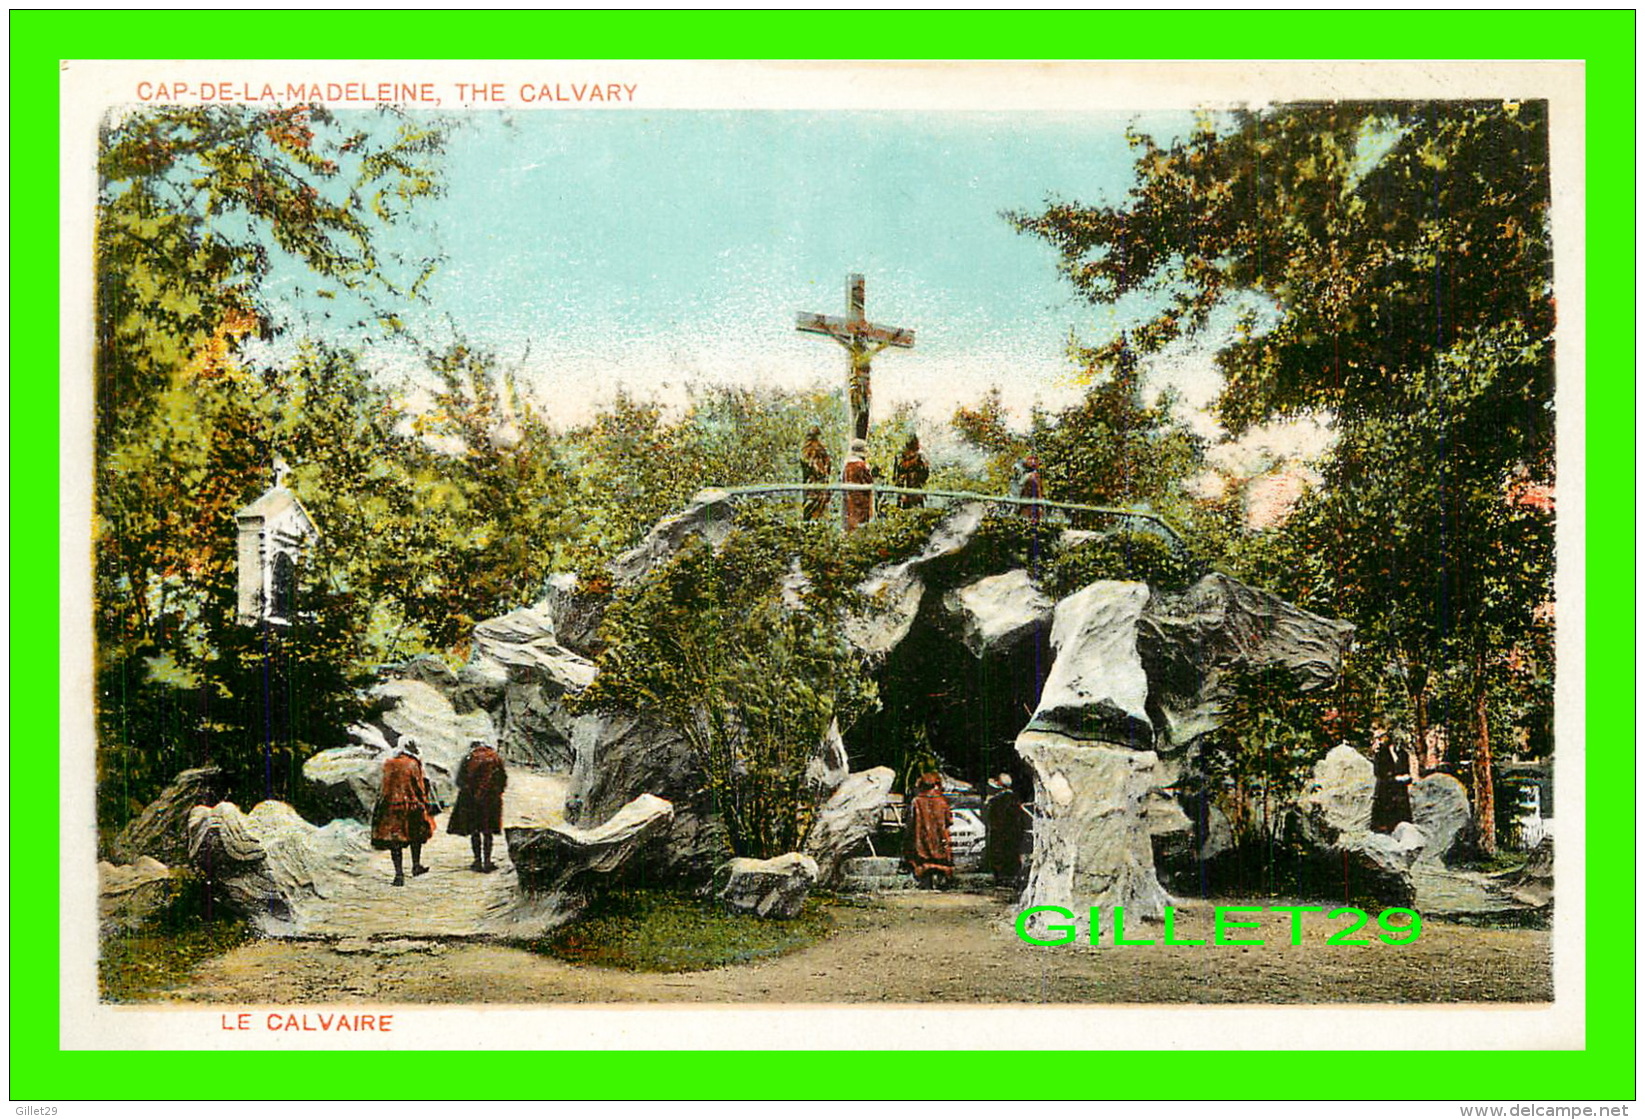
(1192, 640)
(520, 672)
(709, 516)
(1337, 799)
(128, 893)
(270, 864)
(1439, 806)
(1092, 845)
(891, 594)
(1097, 689)
(767, 888)
(442, 733)
(998, 613)
(850, 813)
(555, 856)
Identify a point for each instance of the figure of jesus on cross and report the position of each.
(861, 339)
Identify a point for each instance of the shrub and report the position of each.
(739, 649)
(1122, 555)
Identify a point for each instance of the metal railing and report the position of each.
(961, 495)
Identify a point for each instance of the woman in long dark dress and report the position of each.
(1391, 763)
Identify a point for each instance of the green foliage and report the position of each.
(650, 931)
(488, 505)
(986, 427)
(1111, 449)
(198, 206)
(739, 649)
(1121, 555)
(1272, 735)
(894, 534)
(197, 209)
(145, 963)
(635, 466)
(1391, 267)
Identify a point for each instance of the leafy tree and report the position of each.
(1400, 262)
(1111, 448)
(493, 500)
(198, 206)
(635, 465)
(740, 650)
(197, 209)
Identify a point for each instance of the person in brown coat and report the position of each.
(912, 471)
(816, 465)
(859, 504)
(930, 844)
(1032, 487)
(478, 813)
(402, 816)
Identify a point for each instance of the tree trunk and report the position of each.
(1484, 787)
(1418, 678)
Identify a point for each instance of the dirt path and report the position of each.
(910, 948)
(359, 899)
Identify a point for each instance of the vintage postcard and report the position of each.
(720, 555)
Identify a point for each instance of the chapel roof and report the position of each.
(273, 502)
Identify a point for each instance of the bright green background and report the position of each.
(1605, 1070)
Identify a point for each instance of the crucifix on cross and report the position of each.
(861, 339)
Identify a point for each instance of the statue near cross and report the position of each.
(861, 339)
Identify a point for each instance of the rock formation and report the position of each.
(709, 516)
(1136, 678)
(892, 593)
(556, 856)
(345, 780)
(160, 831)
(1092, 845)
(1097, 690)
(1533, 884)
(1189, 642)
(619, 757)
(128, 894)
(270, 863)
(850, 814)
(766, 888)
(519, 673)
(1439, 806)
(998, 612)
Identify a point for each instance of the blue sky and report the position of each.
(650, 250)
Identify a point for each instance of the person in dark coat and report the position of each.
(816, 466)
(478, 813)
(402, 817)
(859, 504)
(929, 840)
(912, 470)
(1031, 487)
(1008, 827)
(1391, 762)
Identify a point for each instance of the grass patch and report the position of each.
(1503, 861)
(655, 931)
(159, 955)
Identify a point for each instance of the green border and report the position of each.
(1605, 40)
